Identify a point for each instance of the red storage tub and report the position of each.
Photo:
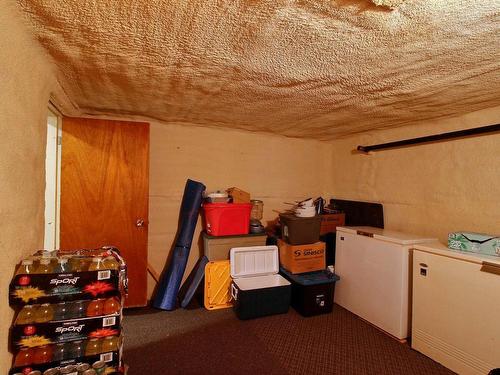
(227, 219)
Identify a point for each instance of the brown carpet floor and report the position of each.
(216, 342)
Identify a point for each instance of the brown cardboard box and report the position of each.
(302, 258)
(330, 222)
(217, 248)
(238, 195)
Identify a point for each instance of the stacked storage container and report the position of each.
(68, 313)
(300, 248)
(227, 225)
(239, 270)
(302, 260)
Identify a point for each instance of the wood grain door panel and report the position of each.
(104, 191)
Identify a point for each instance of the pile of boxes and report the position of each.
(241, 271)
(303, 261)
(68, 313)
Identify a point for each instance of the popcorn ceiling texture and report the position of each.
(305, 68)
(388, 3)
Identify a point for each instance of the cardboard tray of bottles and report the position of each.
(101, 360)
(47, 324)
(69, 312)
(49, 277)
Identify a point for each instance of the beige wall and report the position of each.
(428, 189)
(272, 168)
(25, 81)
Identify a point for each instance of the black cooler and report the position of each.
(312, 292)
(257, 288)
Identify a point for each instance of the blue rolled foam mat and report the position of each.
(168, 288)
(193, 282)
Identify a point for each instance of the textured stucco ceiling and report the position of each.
(304, 68)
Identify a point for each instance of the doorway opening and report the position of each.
(52, 179)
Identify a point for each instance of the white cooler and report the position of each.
(257, 288)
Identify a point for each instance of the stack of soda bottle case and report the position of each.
(68, 313)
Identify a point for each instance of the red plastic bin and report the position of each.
(227, 219)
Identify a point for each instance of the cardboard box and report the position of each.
(330, 222)
(474, 242)
(300, 230)
(217, 247)
(302, 258)
(238, 195)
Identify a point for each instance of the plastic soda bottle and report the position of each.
(76, 349)
(44, 266)
(45, 313)
(42, 354)
(26, 267)
(24, 357)
(96, 264)
(80, 309)
(93, 347)
(111, 306)
(62, 265)
(61, 311)
(95, 307)
(110, 263)
(78, 264)
(26, 315)
(59, 352)
(110, 344)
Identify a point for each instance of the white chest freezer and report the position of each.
(375, 272)
(456, 308)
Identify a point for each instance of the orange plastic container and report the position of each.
(227, 219)
(217, 285)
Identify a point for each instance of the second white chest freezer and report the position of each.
(456, 308)
(375, 271)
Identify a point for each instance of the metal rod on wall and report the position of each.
(433, 138)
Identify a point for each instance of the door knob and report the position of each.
(140, 223)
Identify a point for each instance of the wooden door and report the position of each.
(104, 192)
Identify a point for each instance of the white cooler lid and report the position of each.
(254, 261)
(387, 235)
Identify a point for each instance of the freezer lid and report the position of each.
(254, 261)
(261, 282)
(438, 248)
(387, 235)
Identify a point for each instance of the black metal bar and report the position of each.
(433, 138)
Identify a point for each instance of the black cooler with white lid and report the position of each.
(257, 288)
(312, 292)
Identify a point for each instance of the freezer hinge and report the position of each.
(491, 268)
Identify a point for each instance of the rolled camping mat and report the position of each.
(168, 288)
(193, 282)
